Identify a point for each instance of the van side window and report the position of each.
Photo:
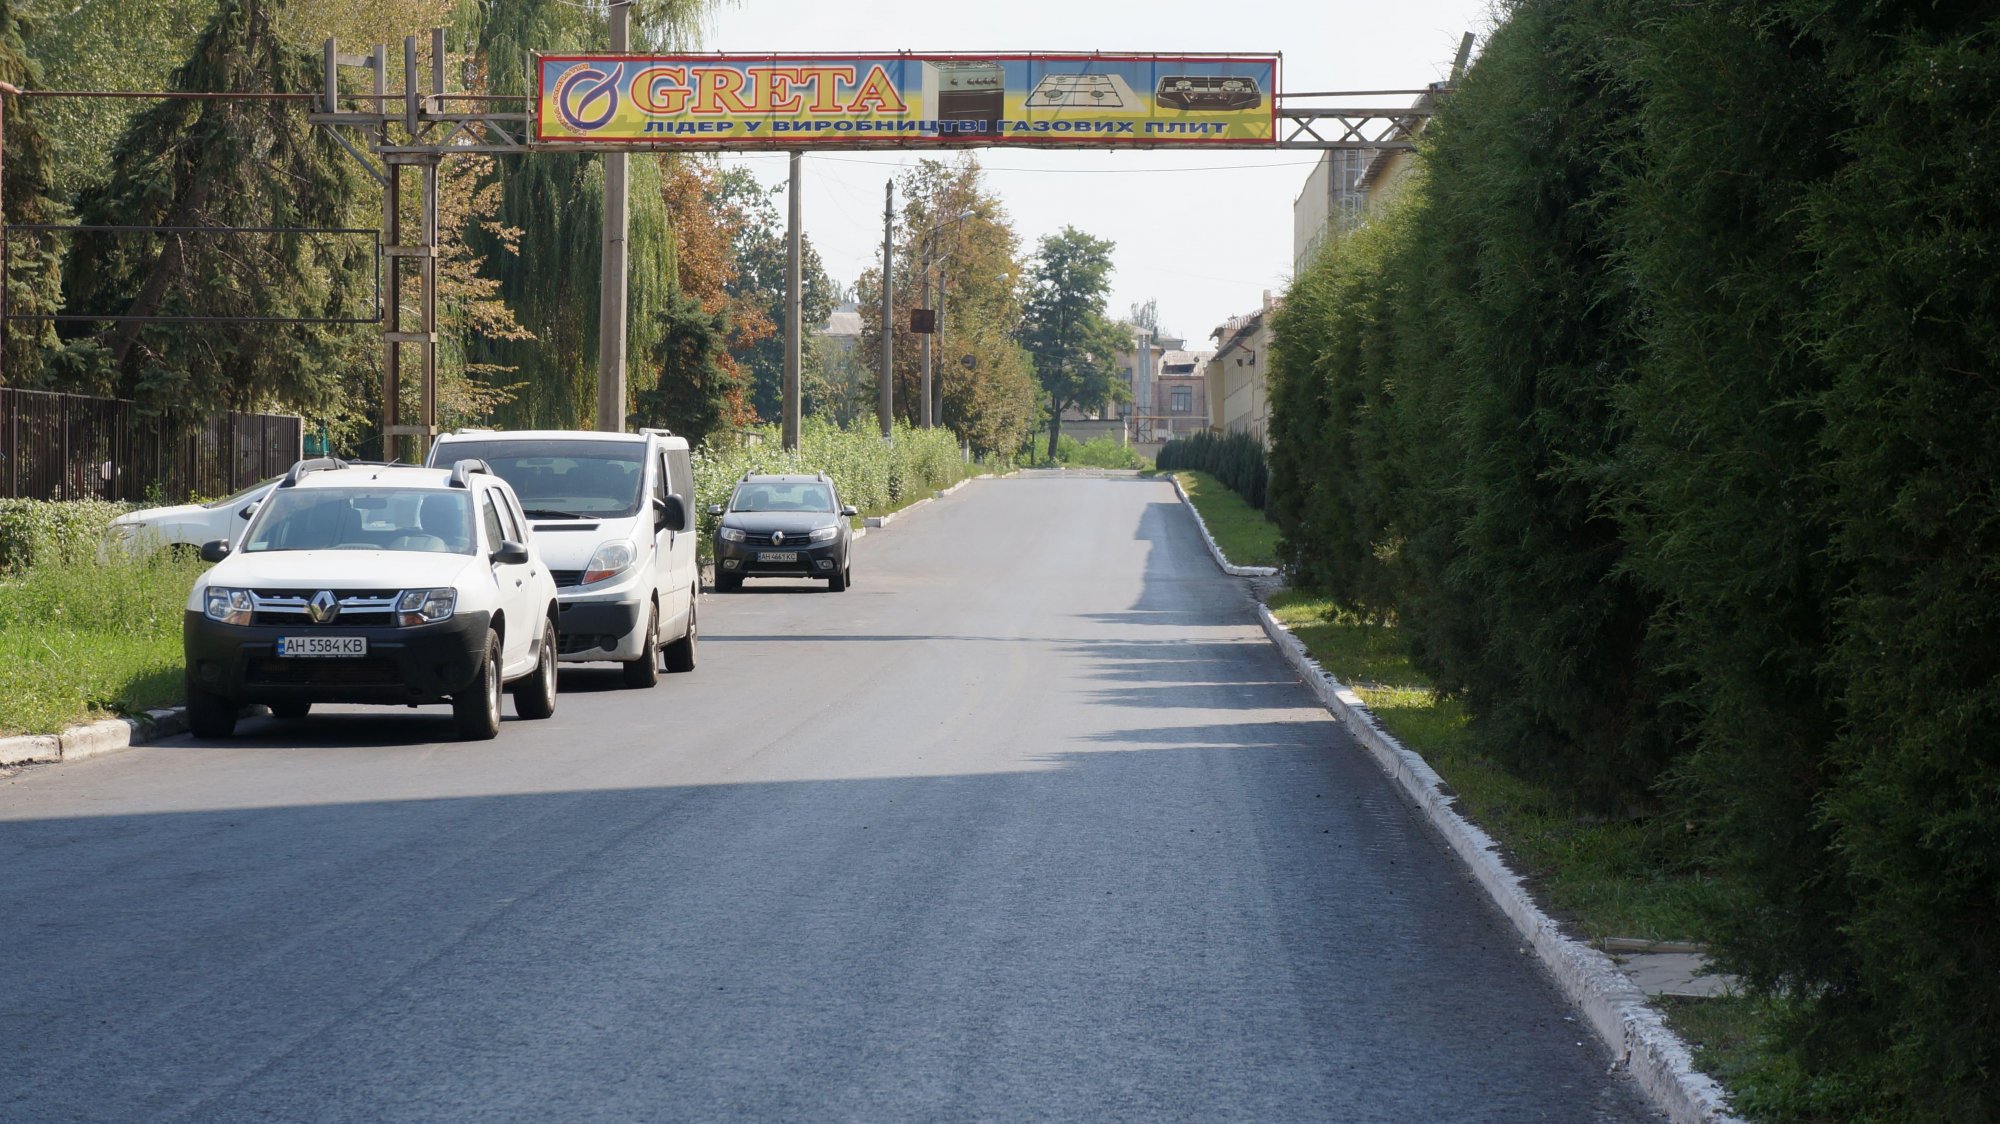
(661, 486)
(681, 472)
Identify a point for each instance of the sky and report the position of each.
(1204, 233)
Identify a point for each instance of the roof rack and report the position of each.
(656, 431)
(316, 464)
(460, 470)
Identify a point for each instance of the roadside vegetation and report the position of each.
(1246, 537)
(1098, 452)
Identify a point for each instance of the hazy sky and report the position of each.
(1204, 232)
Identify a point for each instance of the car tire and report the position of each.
(535, 696)
(291, 710)
(476, 710)
(645, 670)
(680, 654)
(728, 583)
(838, 582)
(210, 715)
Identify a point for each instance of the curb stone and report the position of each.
(1616, 1008)
(1214, 550)
(92, 738)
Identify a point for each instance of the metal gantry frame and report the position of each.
(417, 136)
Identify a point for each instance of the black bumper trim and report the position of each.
(424, 664)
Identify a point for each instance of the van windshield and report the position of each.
(563, 479)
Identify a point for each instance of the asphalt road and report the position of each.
(1032, 823)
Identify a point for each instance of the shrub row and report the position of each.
(1670, 436)
(1236, 459)
(870, 473)
(33, 531)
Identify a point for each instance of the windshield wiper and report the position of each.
(551, 513)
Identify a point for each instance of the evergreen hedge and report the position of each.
(1662, 412)
(1236, 459)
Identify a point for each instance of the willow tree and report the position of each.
(556, 201)
(225, 163)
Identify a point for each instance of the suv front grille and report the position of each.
(288, 608)
(794, 540)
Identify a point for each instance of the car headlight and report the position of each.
(730, 534)
(227, 605)
(425, 606)
(823, 534)
(611, 560)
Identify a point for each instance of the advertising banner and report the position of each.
(798, 101)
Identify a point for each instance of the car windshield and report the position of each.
(363, 519)
(243, 496)
(562, 479)
(753, 496)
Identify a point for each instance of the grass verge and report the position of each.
(1246, 537)
(88, 640)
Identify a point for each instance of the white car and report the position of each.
(613, 517)
(186, 526)
(381, 584)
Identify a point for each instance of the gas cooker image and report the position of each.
(1211, 92)
(968, 91)
(1105, 92)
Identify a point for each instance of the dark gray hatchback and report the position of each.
(783, 527)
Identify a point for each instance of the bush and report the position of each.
(1235, 459)
(33, 531)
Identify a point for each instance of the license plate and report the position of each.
(323, 646)
(778, 556)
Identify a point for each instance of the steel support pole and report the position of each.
(886, 408)
(924, 413)
(794, 306)
(612, 292)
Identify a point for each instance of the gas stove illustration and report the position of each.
(1101, 92)
(1208, 92)
(968, 91)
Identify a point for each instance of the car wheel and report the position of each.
(728, 583)
(210, 715)
(535, 696)
(645, 670)
(476, 710)
(680, 653)
(291, 710)
(838, 582)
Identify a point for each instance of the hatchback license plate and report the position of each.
(334, 646)
(778, 556)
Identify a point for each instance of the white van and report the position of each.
(613, 520)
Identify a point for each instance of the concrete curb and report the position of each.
(1214, 550)
(885, 520)
(91, 739)
(1617, 1010)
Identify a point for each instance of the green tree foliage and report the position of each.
(695, 392)
(224, 163)
(953, 228)
(1661, 415)
(757, 251)
(1072, 342)
(34, 283)
(556, 201)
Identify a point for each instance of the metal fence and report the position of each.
(72, 447)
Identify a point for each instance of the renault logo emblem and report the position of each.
(323, 607)
(777, 538)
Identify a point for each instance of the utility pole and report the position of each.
(794, 337)
(611, 310)
(886, 407)
(935, 408)
(926, 391)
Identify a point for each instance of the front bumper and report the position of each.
(424, 664)
(815, 560)
(600, 630)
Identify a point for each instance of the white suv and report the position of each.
(612, 516)
(378, 584)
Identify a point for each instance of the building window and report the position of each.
(1183, 399)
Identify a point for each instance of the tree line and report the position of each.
(1659, 412)
(519, 261)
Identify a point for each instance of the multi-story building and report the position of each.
(1235, 374)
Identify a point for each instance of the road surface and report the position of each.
(1030, 823)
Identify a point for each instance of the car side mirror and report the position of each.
(511, 553)
(715, 509)
(847, 509)
(215, 550)
(247, 510)
(670, 514)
